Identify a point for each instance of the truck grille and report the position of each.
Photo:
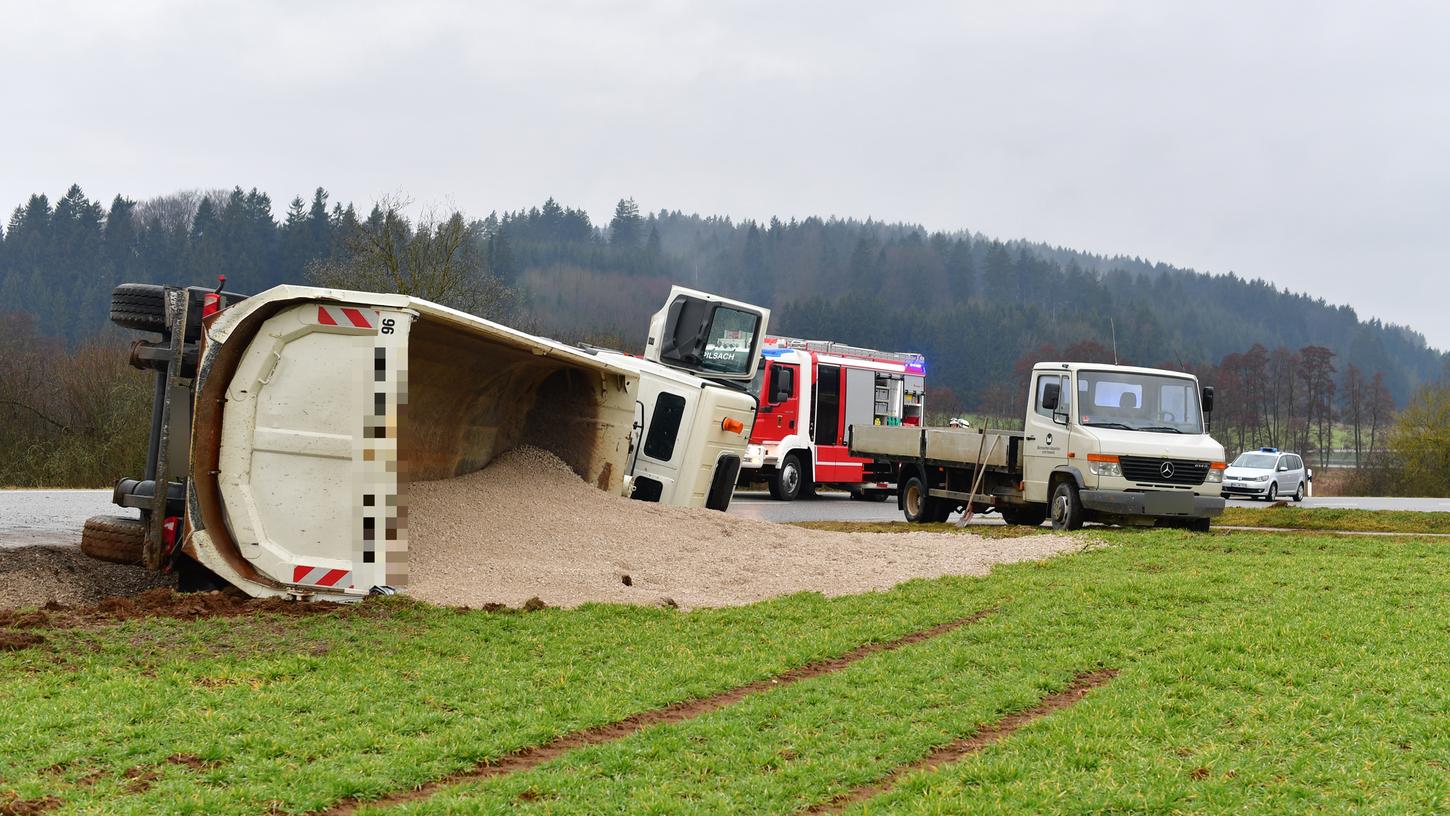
(1147, 469)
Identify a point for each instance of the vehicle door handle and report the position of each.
(778, 420)
(1029, 439)
(792, 424)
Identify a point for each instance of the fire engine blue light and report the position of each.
(773, 352)
(917, 368)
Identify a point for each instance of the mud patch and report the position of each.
(15, 641)
(13, 805)
(192, 761)
(533, 757)
(35, 576)
(167, 603)
(1001, 729)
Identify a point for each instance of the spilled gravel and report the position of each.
(527, 526)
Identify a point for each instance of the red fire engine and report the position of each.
(811, 392)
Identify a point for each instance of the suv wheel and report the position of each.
(1299, 493)
(1273, 492)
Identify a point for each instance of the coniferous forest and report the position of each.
(973, 304)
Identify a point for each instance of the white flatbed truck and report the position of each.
(1103, 443)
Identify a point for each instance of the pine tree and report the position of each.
(625, 228)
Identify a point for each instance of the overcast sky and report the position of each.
(1305, 144)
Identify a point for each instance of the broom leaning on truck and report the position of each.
(1104, 443)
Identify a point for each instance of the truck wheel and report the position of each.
(916, 503)
(1199, 525)
(139, 306)
(786, 483)
(117, 539)
(1066, 507)
(1031, 516)
(1299, 493)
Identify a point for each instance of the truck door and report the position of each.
(1045, 445)
(707, 335)
(779, 403)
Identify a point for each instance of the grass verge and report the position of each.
(1324, 518)
(1258, 673)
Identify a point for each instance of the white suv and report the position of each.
(1267, 473)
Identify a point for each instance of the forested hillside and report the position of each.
(972, 304)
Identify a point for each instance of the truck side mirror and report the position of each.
(782, 384)
(1051, 392)
(1208, 399)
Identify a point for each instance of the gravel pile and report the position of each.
(526, 526)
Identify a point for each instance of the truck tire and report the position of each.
(917, 503)
(117, 539)
(787, 483)
(1066, 507)
(139, 306)
(1030, 516)
(1199, 525)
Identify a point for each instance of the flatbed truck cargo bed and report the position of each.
(1105, 443)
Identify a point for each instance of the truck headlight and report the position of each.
(1215, 472)
(1101, 468)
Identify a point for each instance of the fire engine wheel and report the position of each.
(139, 306)
(788, 481)
(117, 539)
(916, 503)
(1066, 507)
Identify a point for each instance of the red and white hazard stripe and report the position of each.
(347, 316)
(321, 576)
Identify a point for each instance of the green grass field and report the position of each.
(1258, 672)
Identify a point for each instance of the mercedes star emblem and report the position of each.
(1166, 470)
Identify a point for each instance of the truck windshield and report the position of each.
(730, 345)
(1152, 403)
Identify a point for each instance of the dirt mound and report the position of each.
(526, 526)
(34, 576)
(159, 603)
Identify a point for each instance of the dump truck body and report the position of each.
(311, 410)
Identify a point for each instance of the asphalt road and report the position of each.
(30, 517)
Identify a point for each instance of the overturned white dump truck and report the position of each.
(288, 425)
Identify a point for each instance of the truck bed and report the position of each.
(945, 446)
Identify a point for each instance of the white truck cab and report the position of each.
(1131, 441)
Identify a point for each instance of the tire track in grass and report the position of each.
(530, 758)
(966, 746)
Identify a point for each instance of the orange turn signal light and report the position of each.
(732, 425)
(1218, 466)
(1101, 457)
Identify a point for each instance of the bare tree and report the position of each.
(439, 259)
